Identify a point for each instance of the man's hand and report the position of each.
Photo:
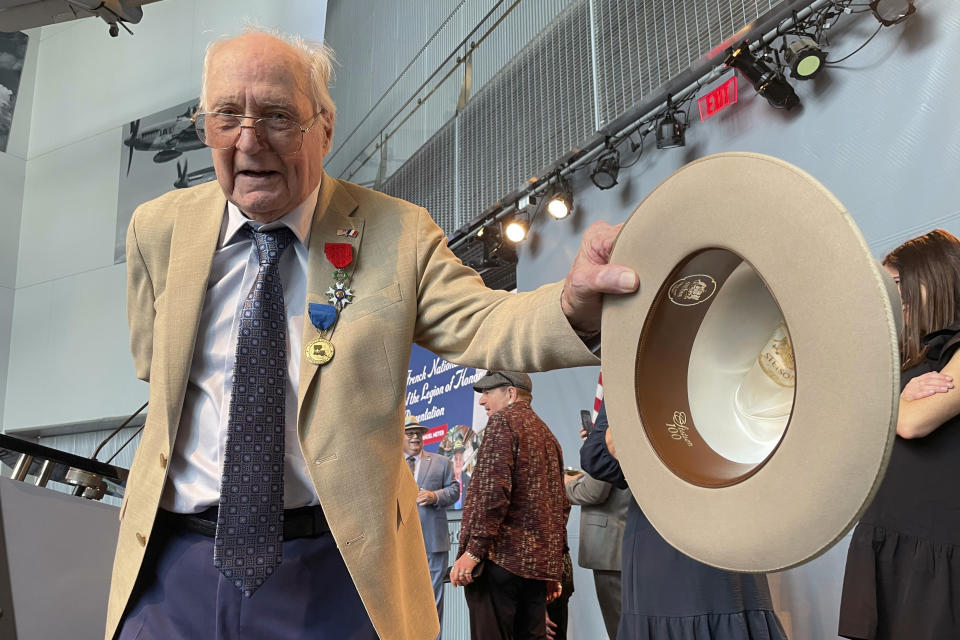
(551, 627)
(591, 276)
(554, 589)
(926, 385)
(426, 497)
(461, 573)
(571, 480)
(608, 436)
(583, 433)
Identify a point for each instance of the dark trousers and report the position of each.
(608, 595)
(558, 612)
(180, 595)
(504, 606)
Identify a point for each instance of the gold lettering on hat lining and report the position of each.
(678, 428)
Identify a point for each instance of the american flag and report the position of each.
(598, 400)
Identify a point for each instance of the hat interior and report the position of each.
(731, 403)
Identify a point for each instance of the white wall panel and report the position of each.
(12, 171)
(217, 18)
(88, 82)
(70, 210)
(6, 320)
(70, 360)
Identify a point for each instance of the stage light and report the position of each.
(671, 130)
(804, 57)
(768, 82)
(560, 203)
(516, 230)
(607, 169)
(891, 12)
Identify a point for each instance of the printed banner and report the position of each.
(441, 396)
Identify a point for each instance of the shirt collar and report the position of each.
(299, 220)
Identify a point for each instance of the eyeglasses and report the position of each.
(222, 130)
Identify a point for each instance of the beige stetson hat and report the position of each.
(752, 383)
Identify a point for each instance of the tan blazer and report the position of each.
(409, 288)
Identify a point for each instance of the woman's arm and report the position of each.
(920, 417)
(595, 458)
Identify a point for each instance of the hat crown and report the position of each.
(494, 379)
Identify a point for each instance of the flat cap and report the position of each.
(495, 379)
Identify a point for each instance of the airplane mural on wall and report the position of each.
(185, 179)
(169, 139)
(17, 15)
(148, 149)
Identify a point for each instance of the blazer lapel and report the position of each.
(425, 460)
(194, 241)
(335, 208)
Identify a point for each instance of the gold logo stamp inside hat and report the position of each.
(692, 289)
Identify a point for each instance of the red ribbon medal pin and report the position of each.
(340, 255)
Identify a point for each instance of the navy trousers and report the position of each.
(180, 595)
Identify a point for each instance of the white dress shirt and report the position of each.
(416, 465)
(193, 483)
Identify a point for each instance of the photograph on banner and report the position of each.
(440, 396)
(158, 153)
(13, 50)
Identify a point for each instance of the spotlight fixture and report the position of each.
(671, 130)
(768, 82)
(804, 57)
(560, 204)
(607, 169)
(891, 12)
(516, 230)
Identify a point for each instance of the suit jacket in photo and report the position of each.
(436, 474)
(409, 288)
(603, 517)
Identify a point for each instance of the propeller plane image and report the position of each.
(168, 139)
(17, 15)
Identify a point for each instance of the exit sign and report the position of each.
(718, 99)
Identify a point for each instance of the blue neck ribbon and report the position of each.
(322, 315)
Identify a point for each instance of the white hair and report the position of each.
(318, 59)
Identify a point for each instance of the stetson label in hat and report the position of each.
(752, 382)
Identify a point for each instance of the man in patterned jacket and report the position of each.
(513, 534)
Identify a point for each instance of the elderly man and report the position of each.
(514, 517)
(438, 489)
(273, 313)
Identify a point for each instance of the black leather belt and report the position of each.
(303, 522)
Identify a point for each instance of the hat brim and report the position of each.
(836, 302)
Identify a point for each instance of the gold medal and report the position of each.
(319, 350)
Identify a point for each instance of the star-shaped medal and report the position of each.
(340, 295)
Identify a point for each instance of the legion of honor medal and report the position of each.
(340, 255)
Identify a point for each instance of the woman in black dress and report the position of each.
(902, 578)
(667, 595)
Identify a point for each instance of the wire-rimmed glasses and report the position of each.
(220, 130)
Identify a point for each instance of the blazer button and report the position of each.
(163, 461)
(141, 539)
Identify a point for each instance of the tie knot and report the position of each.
(270, 244)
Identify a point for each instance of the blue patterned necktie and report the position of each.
(248, 546)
